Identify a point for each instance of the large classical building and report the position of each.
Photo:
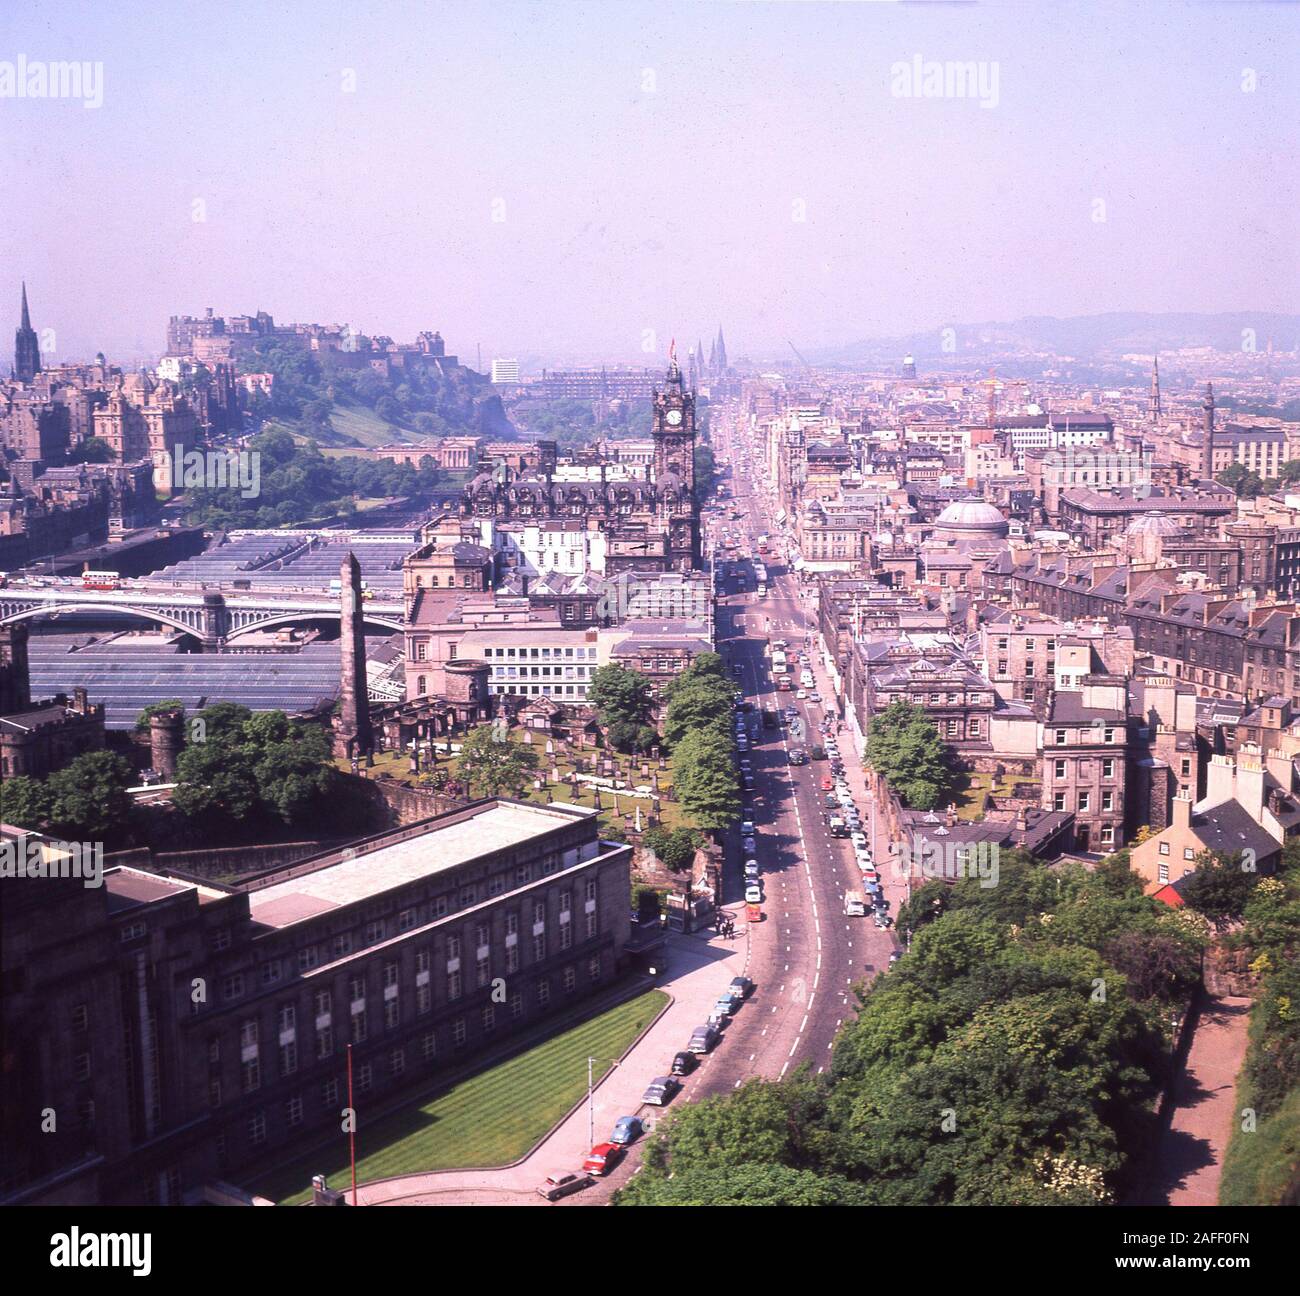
(188, 1033)
(648, 525)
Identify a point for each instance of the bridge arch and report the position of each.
(53, 610)
(369, 623)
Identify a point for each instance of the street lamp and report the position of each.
(591, 1106)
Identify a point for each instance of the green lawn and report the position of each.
(491, 1119)
(398, 765)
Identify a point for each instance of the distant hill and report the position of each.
(1083, 336)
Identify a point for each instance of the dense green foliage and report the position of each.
(1008, 1059)
(625, 706)
(430, 401)
(253, 766)
(904, 746)
(491, 764)
(297, 483)
(674, 849)
(1263, 1162)
(86, 800)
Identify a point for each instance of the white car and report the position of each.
(859, 840)
(801, 695)
(751, 870)
(747, 827)
(753, 893)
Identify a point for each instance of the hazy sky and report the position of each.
(650, 162)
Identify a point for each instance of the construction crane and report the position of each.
(798, 357)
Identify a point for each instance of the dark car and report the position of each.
(627, 1129)
(661, 1091)
(684, 1063)
(797, 756)
(819, 753)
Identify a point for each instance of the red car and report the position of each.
(827, 783)
(603, 1158)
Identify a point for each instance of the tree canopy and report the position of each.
(905, 747)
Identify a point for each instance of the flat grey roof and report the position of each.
(497, 827)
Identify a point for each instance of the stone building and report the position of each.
(395, 945)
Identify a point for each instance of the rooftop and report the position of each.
(496, 826)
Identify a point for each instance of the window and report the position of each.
(453, 985)
(1164, 849)
(397, 1061)
(1163, 872)
(81, 1066)
(252, 1076)
(359, 1027)
(570, 980)
(1060, 737)
(322, 1001)
(232, 987)
(288, 1059)
(288, 1017)
(390, 974)
(272, 971)
(1108, 767)
(489, 1018)
(428, 1045)
(257, 1129)
(329, 1093)
(324, 1041)
(516, 1004)
(293, 1110)
(544, 992)
(1060, 769)
(1058, 800)
(1084, 801)
(593, 967)
(392, 1014)
(458, 1032)
(80, 1017)
(365, 1077)
(539, 947)
(248, 1033)
(1108, 801)
(1188, 853)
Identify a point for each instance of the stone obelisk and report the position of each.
(353, 735)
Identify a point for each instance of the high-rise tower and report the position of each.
(27, 347)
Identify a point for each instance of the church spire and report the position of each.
(721, 352)
(27, 348)
(1155, 389)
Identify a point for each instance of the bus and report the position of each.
(778, 663)
(101, 580)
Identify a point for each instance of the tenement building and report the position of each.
(184, 1032)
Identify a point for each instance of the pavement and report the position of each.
(1193, 1146)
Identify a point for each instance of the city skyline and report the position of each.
(566, 180)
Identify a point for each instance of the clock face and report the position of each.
(673, 417)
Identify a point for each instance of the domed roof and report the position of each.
(1157, 523)
(973, 515)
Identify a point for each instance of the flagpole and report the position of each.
(352, 1129)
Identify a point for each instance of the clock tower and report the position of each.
(674, 468)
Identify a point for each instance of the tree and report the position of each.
(93, 450)
(491, 764)
(24, 802)
(142, 721)
(704, 779)
(904, 746)
(215, 780)
(88, 797)
(675, 849)
(624, 704)
(1219, 887)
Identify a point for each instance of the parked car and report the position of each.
(741, 987)
(603, 1158)
(797, 756)
(683, 1063)
(747, 827)
(627, 1129)
(751, 869)
(753, 893)
(826, 784)
(703, 1038)
(801, 694)
(750, 845)
(661, 1091)
(561, 1183)
(727, 1004)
